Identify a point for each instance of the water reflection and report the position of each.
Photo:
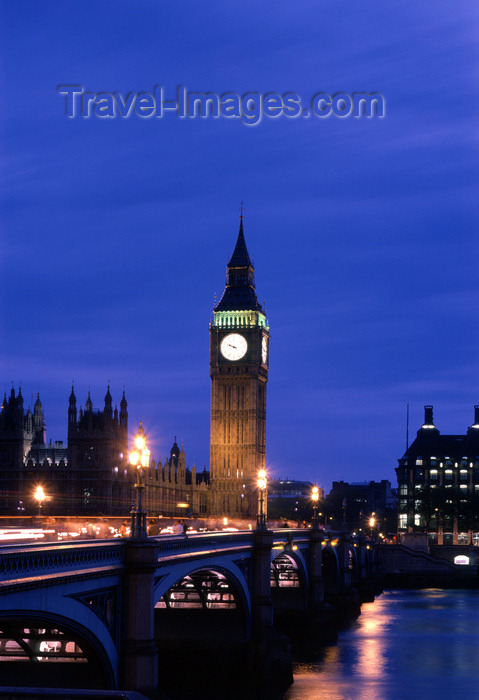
(405, 645)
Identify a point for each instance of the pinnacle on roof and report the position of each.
(240, 257)
(240, 293)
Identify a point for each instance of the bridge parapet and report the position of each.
(205, 543)
(34, 560)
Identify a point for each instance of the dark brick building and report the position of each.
(352, 506)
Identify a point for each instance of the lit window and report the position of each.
(433, 474)
(418, 462)
(461, 559)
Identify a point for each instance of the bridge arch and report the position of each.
(289, 580)
(47, 649)
(226, 587)
(330, 569)
(288, 565)
(202, 615)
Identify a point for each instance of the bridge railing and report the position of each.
(34, 560)
(30, 560)
(205, 542)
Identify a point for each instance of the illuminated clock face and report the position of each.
(233, 346)
(264, 350)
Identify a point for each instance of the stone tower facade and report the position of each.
(239, 360)
(17, 433)
(99, 474)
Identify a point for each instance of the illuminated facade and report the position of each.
(175, 489)
(438, 484)
(22, 440)
(239, 359)
(91, 475)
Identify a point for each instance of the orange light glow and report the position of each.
(140, 442)
(39, 493)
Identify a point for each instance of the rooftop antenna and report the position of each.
(407, 428)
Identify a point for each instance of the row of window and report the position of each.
(446, 462)
(418, 522)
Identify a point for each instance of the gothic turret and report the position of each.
(72, 410)
(39, 426)
(123, 412)
(108, 406)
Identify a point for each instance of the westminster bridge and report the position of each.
(110, 614)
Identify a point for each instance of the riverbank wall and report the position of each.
(405, 567)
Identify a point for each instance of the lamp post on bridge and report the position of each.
(40, 497)
(139, 458)
(261, 518)
(315, 499)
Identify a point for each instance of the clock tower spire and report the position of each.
(239, 346)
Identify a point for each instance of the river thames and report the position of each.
(406, 645)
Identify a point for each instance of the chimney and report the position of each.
(428, 419)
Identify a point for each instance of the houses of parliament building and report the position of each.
(92, 475)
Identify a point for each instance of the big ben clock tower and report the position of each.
(239, 357)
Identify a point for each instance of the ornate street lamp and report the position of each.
(40, 496)
(315, 499)
(261, 519)
(139, 458)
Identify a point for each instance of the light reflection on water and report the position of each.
(406, 645)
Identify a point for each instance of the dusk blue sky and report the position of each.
(115, 233)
